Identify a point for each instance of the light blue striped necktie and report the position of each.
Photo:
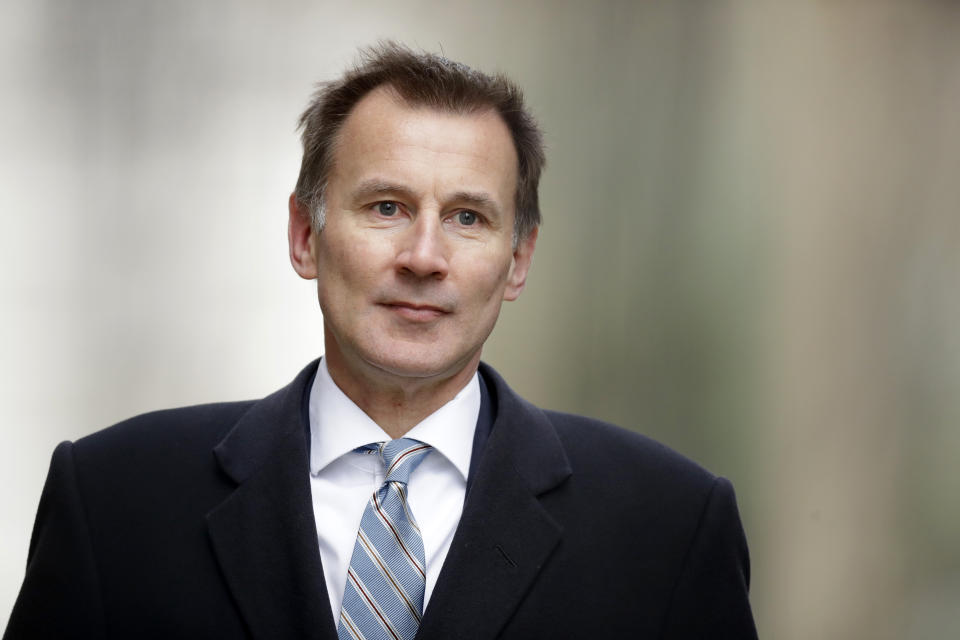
(383, 597)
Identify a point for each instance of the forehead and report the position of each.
(423, 145)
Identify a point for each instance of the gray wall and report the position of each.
(751, 250)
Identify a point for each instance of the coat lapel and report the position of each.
(505, 535)
(264, 534)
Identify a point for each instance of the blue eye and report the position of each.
(466, 218)
(387, 208)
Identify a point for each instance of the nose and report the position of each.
(423, 250)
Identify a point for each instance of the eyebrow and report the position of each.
(378, 187)
(478, 200)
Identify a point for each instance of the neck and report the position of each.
(397, 403)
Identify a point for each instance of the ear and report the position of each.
(522, 258)
(301, 240)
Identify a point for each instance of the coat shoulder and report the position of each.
(171, 434)
(645, 529)
(600, 447)
(197, 427)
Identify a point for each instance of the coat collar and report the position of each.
(264, 533)
(505, 536)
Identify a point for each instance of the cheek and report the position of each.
(346, 268)
(332, 269)
(488, 284)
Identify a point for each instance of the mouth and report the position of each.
(416, 312)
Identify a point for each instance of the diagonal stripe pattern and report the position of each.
(383, 597)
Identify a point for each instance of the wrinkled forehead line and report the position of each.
(413, 104)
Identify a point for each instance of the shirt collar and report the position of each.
(338, 426)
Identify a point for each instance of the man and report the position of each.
(397, 487)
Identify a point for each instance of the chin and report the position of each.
(414, 369)
(419, 364)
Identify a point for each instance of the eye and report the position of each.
(387, 208)
(467, 218)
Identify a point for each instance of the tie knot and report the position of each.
(401, 457)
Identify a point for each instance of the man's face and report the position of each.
(416, 254)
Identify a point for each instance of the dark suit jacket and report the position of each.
(198, 523)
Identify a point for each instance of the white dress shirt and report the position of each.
(342, 480)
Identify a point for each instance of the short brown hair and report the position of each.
(419, 79)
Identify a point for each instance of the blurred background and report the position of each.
(751, 250)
